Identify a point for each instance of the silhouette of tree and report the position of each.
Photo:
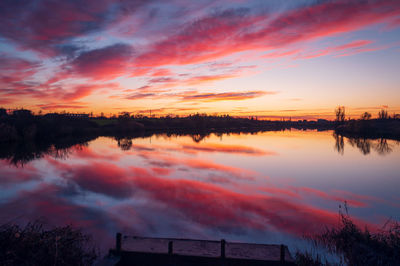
(124, 116)
(340, 114)
(366, 116)
(383, 114)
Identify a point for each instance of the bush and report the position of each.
(34, 245)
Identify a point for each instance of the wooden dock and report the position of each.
(144, 251)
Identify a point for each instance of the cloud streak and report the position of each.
(225, 96)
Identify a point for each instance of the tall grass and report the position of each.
(356, 246)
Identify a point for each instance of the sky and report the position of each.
(264, 58)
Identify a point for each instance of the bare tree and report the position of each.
(340, 113)
(383, 114)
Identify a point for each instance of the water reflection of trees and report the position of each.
(21, 153)
(124, 143)
(364, 145)
(339, 144)
(198, 137)
(381, 146)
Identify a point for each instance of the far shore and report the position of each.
(23, 126)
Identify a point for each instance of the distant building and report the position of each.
(78, 115)
(67, 115)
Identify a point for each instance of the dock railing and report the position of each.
(207, 249)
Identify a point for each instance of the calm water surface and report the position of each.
(271, 187)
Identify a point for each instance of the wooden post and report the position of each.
(170, 247)
(223, 242)
(283, 247)
(118, 242)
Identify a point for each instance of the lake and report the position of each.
(271, 187)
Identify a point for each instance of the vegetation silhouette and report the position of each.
(366, 116)
(383, 114)
(25, 136)
(340, 114)
(33, 244)
(384, 126)
(355, 246)
(24, 125)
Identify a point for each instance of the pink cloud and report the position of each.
(104, 63)
(54, 29)
(56, 96)
(104, 178)
(81, 91)
(279, 54)
(213, 206)
(233, 31)
(47, 26)
(83, 152)
(237, 149)
(161, 72)
(10, 175)
(324, 195)
(52, 106)
(159, 159)
(341, 50)
(15, 73)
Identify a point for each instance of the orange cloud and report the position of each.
(225, 96)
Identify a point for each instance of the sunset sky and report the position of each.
(270, 59)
